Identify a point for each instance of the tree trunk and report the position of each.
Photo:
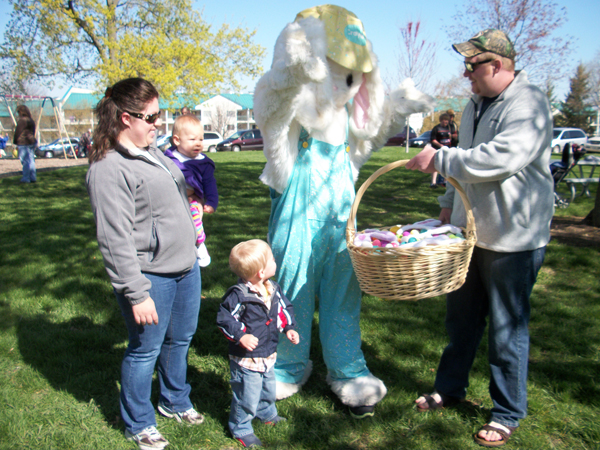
(593, 218)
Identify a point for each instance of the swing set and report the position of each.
(24, 99)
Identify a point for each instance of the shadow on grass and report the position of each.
(86, 362)
(564, 324)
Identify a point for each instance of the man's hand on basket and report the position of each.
(445, 215)
(423, 161)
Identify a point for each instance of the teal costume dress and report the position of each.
(307, 234)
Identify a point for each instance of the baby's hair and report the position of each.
(185, 122)
(248, 257)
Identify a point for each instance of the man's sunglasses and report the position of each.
(472, 66)
(150, 118)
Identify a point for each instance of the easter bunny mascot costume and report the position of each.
(322, 111)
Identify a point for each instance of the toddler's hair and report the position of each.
(185, 122)
(248, 257)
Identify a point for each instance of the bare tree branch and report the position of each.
(531, 25)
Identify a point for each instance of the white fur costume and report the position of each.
(305, 90)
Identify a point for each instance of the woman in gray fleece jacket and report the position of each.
(147, 239)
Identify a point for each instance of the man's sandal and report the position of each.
(487, 427)
(433, 404)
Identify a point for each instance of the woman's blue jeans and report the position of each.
(498, 286)
(177, 300)
(28, 161)
(253, 396)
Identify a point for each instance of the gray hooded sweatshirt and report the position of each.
(504, 169)
(143, 220)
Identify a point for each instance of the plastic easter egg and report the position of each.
(412, 239)
(376, 243)
(395, 228)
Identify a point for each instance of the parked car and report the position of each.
(242, 140)
(593, 144)
(562, 136)
(211, 139)
(421, 140)
(55, 148)
(400, 138)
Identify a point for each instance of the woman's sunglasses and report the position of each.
(472, 66)
(150, 118)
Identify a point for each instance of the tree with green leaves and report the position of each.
(530, 24)
(575, 110)
(103, 41)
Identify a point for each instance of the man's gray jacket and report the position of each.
(504, 169)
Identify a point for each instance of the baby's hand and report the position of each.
(208, 209)
(293, 336)
(249, 342)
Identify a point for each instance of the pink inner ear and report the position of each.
(361, 105)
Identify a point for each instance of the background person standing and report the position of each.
(25, 141)
(453, 128)
(441, 135)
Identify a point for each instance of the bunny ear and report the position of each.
(367, 106)
(360, 113)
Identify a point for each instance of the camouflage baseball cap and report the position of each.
(490, 40)
(346, 38)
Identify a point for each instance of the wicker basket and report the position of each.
(410, 273)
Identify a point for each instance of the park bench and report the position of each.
(565, 185)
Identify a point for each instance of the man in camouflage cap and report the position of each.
(502, 163)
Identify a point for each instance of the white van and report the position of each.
(562, 136)
(211, 139)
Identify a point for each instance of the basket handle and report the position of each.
(385, 169)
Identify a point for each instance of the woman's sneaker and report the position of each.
(190, 417)
(148, 439)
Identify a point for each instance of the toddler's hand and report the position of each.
(208, 209)
(293, 336)
(249, 342)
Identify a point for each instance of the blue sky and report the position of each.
(382, 19)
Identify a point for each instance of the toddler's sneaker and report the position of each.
(190, 417)
(203, 256)
(275, 420)
(148, 439)
(250, 440)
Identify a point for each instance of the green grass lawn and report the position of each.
(62, 337)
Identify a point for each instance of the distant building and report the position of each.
(224, 113)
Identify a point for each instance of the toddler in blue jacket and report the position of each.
(253, 313)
